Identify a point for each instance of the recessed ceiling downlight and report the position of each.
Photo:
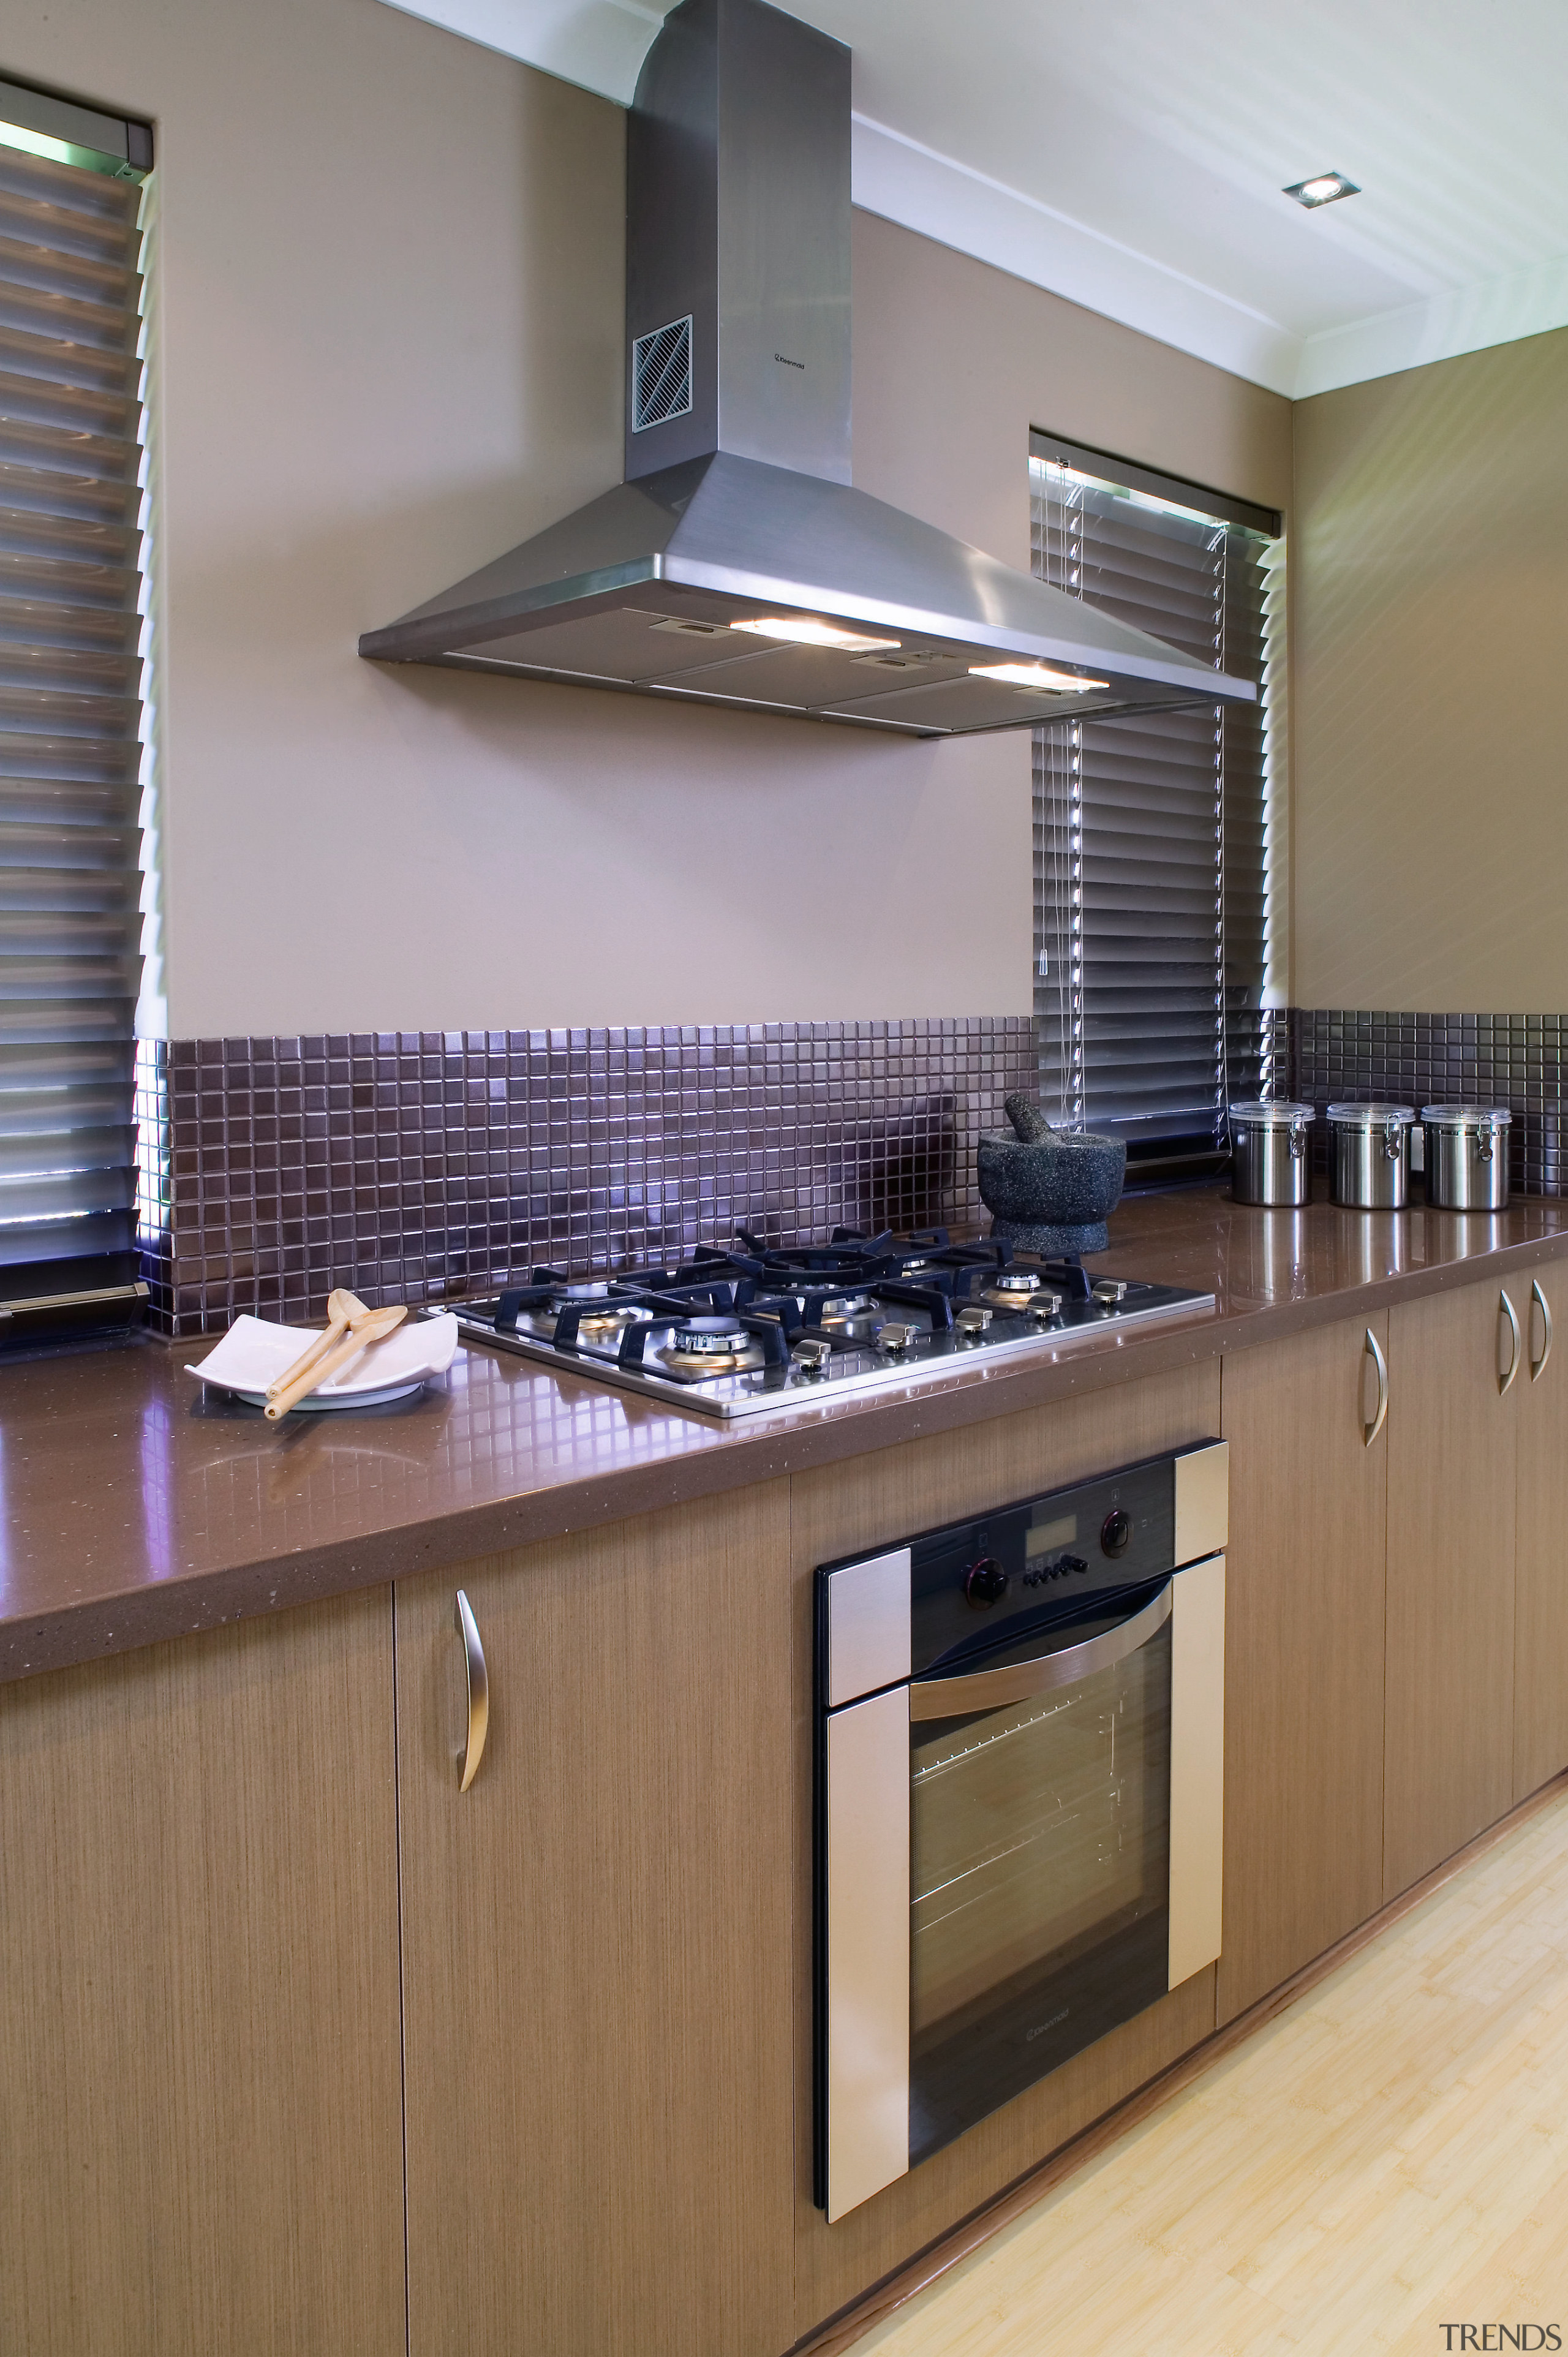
(810, 631)
(1036, 675)
(1322, 190)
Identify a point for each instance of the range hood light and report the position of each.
(1036, 675)
(807, 630)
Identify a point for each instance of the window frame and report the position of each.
(76, 828)
(1064, 891)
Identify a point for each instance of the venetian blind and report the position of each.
(1151, 834)
(71, 739)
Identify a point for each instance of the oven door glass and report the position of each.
(1040, 1859)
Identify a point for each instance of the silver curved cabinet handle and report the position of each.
(1538, 1366)
(1512, 1314)
(473, 1750)
(1371, 1348)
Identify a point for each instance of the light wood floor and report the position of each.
(1389, 2155)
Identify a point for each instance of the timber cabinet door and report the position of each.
(597, 1960)
(200, 2121)
(1541, 1639)
(1304, 1650)
(1457, 1366)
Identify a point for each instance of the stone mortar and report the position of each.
(1053, 1195)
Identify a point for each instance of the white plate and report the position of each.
(255, 1352)
(324, 1397)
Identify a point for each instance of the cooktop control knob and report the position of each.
(1116, 1531)
(984, 1583)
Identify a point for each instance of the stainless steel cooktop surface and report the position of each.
(767, 1329)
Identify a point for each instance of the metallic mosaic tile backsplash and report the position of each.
(419, 1165)
(1419, 1060)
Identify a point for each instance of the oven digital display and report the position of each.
(1045, 1537)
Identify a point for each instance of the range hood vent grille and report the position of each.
(661, 376)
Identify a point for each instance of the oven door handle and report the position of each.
(995, 1689)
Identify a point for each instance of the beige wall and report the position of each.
(390, 342)
(1430, 779)
(954, 361)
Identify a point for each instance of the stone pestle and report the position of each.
(1029, 1124)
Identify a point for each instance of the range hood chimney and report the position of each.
(736, 564)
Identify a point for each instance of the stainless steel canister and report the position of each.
(1466, 1156)
(1271, 1153)
(1370, 1154)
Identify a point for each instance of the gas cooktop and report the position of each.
(765, 1328)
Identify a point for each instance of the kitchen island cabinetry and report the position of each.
(1453, 1435)
(1304, 1653)
(200, 2070)
(272, 1989)
(597, 1957)
(1540, 1633)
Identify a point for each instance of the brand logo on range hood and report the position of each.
(738, 507)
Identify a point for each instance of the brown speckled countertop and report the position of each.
(134, 1508)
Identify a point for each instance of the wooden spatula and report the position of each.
(342, 1309)
(371, 1328)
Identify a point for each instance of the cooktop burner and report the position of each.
(767, 1327)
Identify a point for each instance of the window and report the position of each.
(1152, 915)
(71, 701)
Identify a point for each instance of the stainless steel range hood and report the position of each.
(736, 564)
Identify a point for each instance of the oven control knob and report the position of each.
(984, 1583)
(1116, 1531)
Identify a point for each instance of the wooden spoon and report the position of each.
(343, 1309)
(371, 1328)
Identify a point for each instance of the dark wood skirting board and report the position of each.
(839, 2333)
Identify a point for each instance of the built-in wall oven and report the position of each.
(1019, 1800)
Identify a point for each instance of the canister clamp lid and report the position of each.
(1369, 1117)
(1279, 1114)
(1459, 1116)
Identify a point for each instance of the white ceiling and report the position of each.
(1130, 154)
